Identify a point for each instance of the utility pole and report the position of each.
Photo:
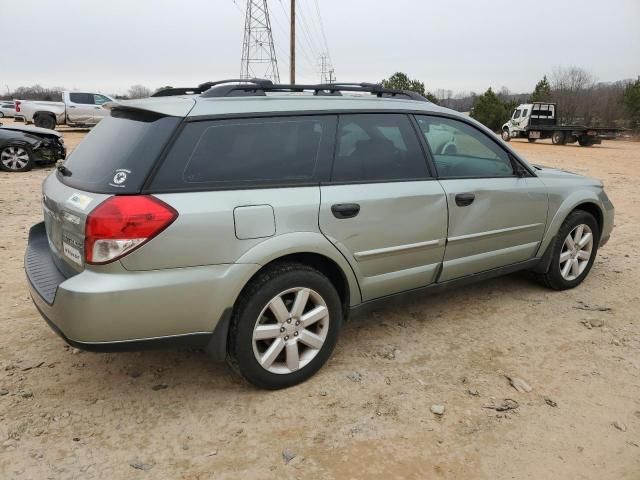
(332, 76)
(258, 50)
(292, 47)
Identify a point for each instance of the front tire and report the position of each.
(574, 252)
(16, 158)
(506, 136)
(285, 326)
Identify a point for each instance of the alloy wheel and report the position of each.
(291, 330)
(14, 158)
(576, 252)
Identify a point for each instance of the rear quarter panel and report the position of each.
(205, 232)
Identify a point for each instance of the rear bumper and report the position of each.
(121, 310)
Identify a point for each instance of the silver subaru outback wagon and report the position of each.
(249, 219)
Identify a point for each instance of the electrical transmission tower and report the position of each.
(258, 50)
(326, 70)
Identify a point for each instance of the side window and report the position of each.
(524, 112)
(100, 99)
(516, 114)
(377, 147)
(81, 98)
(248, 152)
(459, 150)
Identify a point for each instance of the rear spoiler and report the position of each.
(167, 107)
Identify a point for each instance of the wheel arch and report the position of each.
(580, 200)
(309, 248)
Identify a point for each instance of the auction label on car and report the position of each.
(71, 250)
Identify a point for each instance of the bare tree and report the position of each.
(139, 91)
(572, 88)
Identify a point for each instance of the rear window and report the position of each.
(118, 154)
(248, 152)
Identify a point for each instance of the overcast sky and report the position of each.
(460, 45)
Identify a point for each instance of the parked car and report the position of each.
(77, 109)
(539, 120)
(22, 147)
(252, 226)
(7, 109)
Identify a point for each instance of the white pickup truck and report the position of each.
(78, 109)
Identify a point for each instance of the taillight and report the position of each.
(17, 106)
(121, 224)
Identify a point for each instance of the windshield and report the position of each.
(118, 154)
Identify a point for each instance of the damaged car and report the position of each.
(23, 147)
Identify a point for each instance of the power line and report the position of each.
(307, 32)
(324, 37)
(300, 46)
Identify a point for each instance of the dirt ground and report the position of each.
(367, 414)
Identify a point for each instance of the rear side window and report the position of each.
(377, 147)
(248, 152)
(118, 154)
(82, 98)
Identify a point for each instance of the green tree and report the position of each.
(490, 110)
(542, 91)
(401, 81)
(631, 100)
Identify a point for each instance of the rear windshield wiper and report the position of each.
(64, 171)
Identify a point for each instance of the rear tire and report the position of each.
(274, 307)
(585, 142)
(45, 121)
(558, 138)
(570, 266)
(505, 135)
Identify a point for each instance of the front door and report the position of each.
(99, 112)
(382, 209)
(496, 216)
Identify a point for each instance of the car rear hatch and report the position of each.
(114, 159)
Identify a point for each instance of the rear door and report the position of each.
(383, 209)
(80, 108)
(496, 217)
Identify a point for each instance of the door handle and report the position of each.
(465, 199)
(345, 210)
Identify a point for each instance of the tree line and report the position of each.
(580, 98)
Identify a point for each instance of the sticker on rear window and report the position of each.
(120, 178)
(79, 200)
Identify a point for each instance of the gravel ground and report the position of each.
(417, 388)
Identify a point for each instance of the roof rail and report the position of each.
(203, 87)
(261, 88)
(239, 87)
